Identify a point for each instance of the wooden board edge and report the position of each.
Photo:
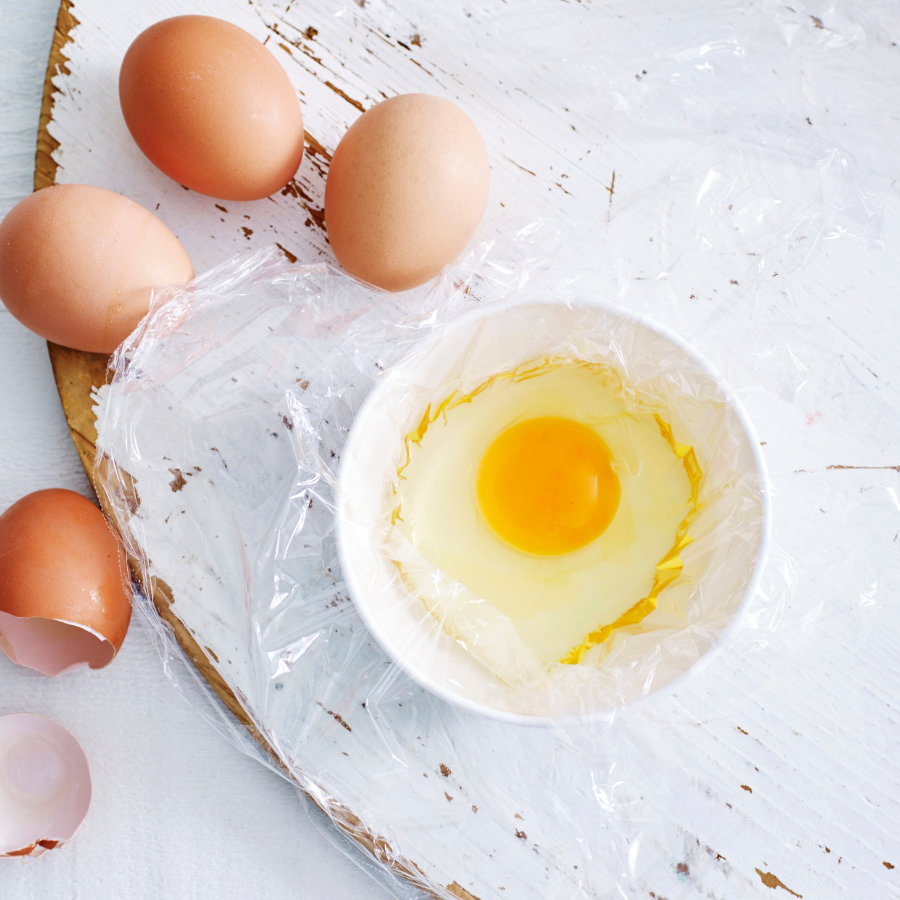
(76, 374)
(45, 165)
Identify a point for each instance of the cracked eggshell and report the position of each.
(45, 785)
(64, 585)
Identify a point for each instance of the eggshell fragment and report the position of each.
(64, 586)
(212, 108)
(45, 785)
(77, 265)
(406, 190)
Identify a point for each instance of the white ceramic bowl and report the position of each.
(474, 347)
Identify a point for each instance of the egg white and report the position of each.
(553, 601)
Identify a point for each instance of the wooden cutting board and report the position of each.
(77, 373)
(557, 149)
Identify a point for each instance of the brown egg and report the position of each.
(64, 586)
(77, 264)
(212, 107)
(406, 190)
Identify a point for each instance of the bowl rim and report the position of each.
(370, 620)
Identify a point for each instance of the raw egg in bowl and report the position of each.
(549, 510)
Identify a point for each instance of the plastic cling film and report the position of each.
(226, 448)
(418, 442)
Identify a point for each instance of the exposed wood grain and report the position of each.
(44, 164)
(772, 881)
(460, 892)
(76, 372)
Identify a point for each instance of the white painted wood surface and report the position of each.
(798, 743)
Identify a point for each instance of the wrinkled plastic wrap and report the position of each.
(625, 619)
(220, 448)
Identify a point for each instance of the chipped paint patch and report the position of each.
(346, 97)
(772, 881)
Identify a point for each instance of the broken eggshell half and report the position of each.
(45, 785)
(64, 595)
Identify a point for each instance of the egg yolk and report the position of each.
(546, 486)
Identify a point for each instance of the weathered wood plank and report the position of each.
(773, 781)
